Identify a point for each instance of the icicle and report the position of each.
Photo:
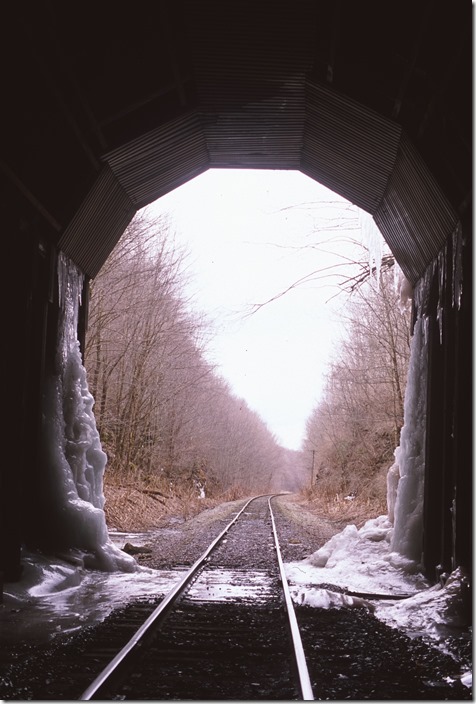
(72, 493)
(403, 289)
(373, 240)
(440, 311)
(457, 266)
(393, 477)
(410, 455)
(421, 292)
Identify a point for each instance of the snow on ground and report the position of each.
(358, 568)
(354, 568)
(358, 560)
(61, 597)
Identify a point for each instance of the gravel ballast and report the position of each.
(351, 654)
(300, 533)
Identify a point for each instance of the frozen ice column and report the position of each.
(73, 459)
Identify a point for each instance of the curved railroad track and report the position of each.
(216, 647)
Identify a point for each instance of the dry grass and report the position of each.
(370, 500)
(145, 506)
(338, 508)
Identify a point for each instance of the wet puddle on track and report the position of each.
(232, 585)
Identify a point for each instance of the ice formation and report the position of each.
(410, 455)
(373, 240)
(393, 477)
(391, 543)
(403, 288)
(74, 462)
(383, 557)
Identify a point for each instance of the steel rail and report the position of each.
(304, 679)
(159, 611)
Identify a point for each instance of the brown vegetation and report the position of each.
(352, 433)
(135, 509)
(177, 439)
(168, 422)
(130, 508)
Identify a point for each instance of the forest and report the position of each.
(168, 421)
(170, 424)
(354, 429)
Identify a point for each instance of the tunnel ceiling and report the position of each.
(107, 106)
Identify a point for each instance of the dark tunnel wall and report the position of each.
(446, 296)
(81, 113)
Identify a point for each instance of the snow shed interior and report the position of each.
(106, 110)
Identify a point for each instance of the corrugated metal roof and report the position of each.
(266, 135)
(414, 216)
(347, 147)
(271, 84)
(97, 226)
(245, 52)
(298, 124)
(161, 160)
(250, 62)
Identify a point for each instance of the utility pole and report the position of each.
(312, 468)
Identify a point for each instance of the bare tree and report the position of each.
(356, 426)
(164, 415)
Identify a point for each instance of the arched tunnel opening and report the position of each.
(77, 169)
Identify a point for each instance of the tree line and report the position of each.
(166, 418)
(170, 422)
(354, 429)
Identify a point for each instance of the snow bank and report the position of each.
(356, 568)
(359, 561)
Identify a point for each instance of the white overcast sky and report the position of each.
(248, 234)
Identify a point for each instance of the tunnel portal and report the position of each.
(107, 109)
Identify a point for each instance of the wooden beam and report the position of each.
(167, 34)
(334, 41)
(398, 102)
(70, 118)
(65, 64)
(11, 175)
(445, 81)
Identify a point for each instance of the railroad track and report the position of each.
(189, 648)
(226, 636)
